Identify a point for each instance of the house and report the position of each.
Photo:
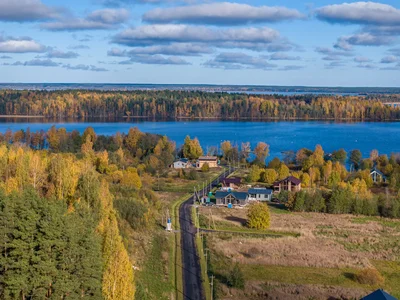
(235, 198)
(232, 182)
(260, 194)
(377, 176)
(290, 183)
(379, 295)
(182, 163)
(211, 160)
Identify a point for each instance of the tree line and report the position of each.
(185, 104)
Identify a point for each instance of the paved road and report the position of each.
(192, 282)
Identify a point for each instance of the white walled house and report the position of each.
(183, 163)
(260, 194)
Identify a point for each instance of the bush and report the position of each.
(132, 211)
(205, 167)
(370, 276)
(236, 278)
(258, 216)
(193, 175)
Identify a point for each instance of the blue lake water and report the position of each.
(281, 136)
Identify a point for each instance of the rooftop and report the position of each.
(379, 295)
(237, 195)
(292, 179)
(208, 158)
(260, 191)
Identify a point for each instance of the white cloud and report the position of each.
(105, 19)
(389, 59)
(368, 13)
(238, 60)
(150, 35)
(20, 45)
(26, 11)
(181, 49)
(221, 13)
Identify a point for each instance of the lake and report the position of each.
(281, 136)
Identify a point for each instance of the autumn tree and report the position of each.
(89, 133)
(192, 148)
(226, 146)
(318, 156)
(132, 139)
(374, 154)
(261, 151)
(258, 216)
(118, 276)
(269, 176)
(131, 178)
(254, 174)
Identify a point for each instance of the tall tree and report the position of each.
(261, 151)
(355, 158)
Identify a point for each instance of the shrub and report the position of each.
(205, 167)
(258, 216)
(236, 278)
(370, 276)
(192, 175)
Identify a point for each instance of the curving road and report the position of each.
(192, 281)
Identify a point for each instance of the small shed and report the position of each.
(235, 198)
(379, 295)
(260, 194)
(377, 176)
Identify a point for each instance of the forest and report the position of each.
(164, 104)
(63, 197)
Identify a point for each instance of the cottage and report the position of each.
(260, 194)
(232, 182)
(290, 183)
(235, 198)
(377, 176)
(183, 163)
(212, 161)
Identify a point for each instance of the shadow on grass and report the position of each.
(237, 219)
(350, 276)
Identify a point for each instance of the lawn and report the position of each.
(320, 262)
(172, 183)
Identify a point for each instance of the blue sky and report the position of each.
(289, 42)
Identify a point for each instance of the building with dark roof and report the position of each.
(182, 163)
(234, 198)
(379, 295)
(290, 183)
(260, 194)
(377, 176)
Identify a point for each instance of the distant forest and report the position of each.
(166, 105)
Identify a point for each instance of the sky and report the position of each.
(287, 42)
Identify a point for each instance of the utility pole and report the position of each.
(212, 286)
(205, 254)
(198, 221)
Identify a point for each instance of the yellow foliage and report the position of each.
(11, 185)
